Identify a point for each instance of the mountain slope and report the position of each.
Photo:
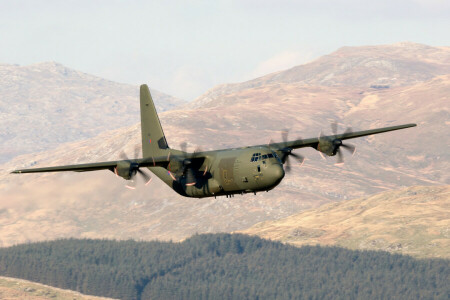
(413, 221)
(14, 288)
(97, 204)
(45, 206)
(46, 104)
(400, 64)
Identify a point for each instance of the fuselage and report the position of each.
(229, 172)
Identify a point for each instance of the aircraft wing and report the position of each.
(313, 142)
(109, 165)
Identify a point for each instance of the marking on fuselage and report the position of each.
(226, 167)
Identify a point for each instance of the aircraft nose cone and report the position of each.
(277, 172)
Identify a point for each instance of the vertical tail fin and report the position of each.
(153, 140)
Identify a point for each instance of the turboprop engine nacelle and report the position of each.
(177, 165)
(126, 169)
(329, 147)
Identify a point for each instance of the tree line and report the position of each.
(224, 266)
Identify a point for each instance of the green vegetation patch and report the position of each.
(230, 266)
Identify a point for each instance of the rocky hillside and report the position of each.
(385, 66)
(413, 221)
(37, 207)
(46, 104)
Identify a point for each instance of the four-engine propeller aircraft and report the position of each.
(213, 173)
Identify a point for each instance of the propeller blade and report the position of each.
(188, 164)
(198, 150)
(350, 148)
(300, 158)
(183, 146)
(147, 178)
(337, 143)
(334, 127)
(134, 169)
(171, 175)
(123, 156)
(340, 158)
(284, 151)
(287, 167)
(321, 135)
(131, 184)
(136, 151)
(190, 177)
(196, 153)
(284, 135)
(318, 146)
(347, 132)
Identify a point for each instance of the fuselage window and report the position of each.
(264, 156)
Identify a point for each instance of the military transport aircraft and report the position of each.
(213, 173)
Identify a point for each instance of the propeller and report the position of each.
(133, 169)
(337, 143)
(187, 169)
(287, 151)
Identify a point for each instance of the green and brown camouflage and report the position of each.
(226, 172)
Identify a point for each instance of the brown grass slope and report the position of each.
(12, 289)
(413, 221)
(38, 207)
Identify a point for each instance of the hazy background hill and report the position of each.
(46, 104)
(39, 207)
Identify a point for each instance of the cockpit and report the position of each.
(263, 157)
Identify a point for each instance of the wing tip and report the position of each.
(410, 125)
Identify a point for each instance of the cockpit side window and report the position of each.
(259, 156)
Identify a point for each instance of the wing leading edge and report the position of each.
(108, 165)
(313, 142)
(163, 161)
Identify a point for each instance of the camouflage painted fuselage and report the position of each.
(228, 172)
